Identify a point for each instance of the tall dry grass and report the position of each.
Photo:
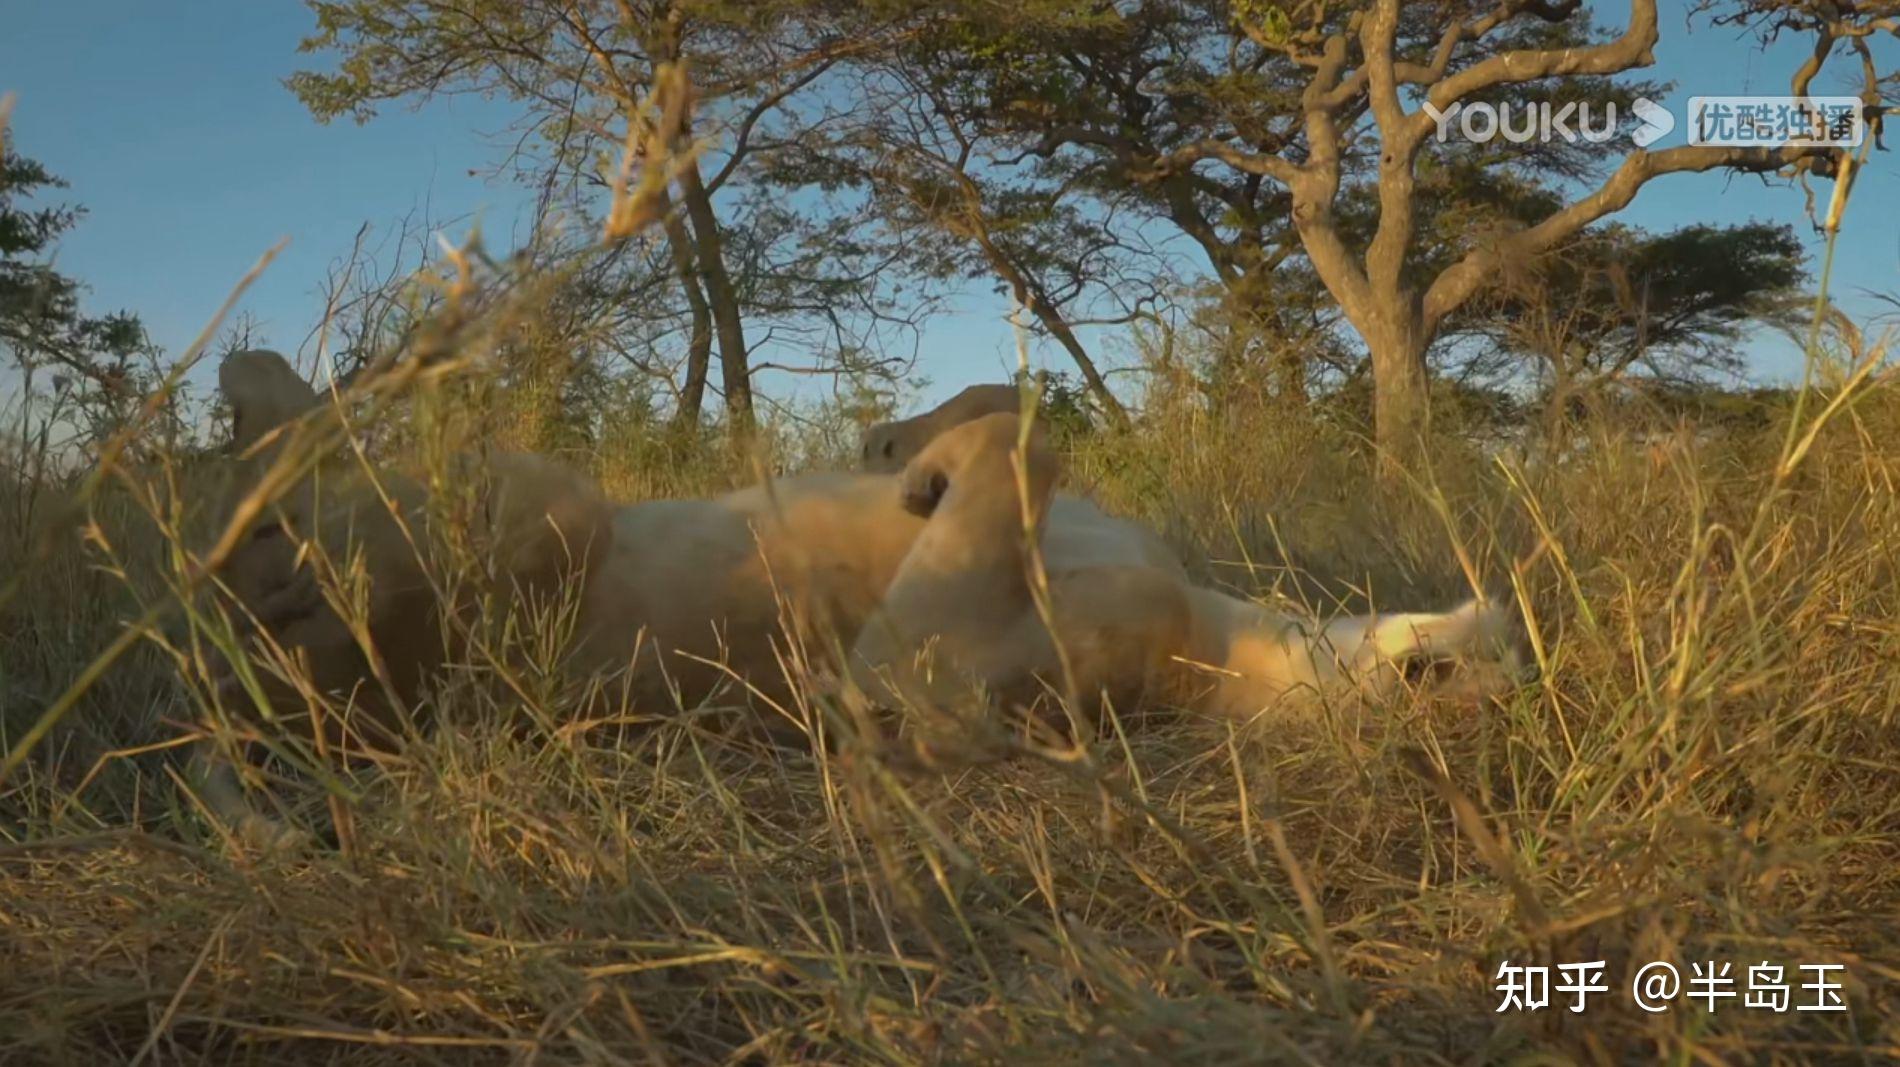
(1704, 769)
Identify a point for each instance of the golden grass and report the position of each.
(1705, 769)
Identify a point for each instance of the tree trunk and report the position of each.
(1401, 400)
(1557, 404)
(1289, 371)
(1058, 328)
(692, 397)
(728, 327)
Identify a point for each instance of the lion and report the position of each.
(673, 599)
(676, 598)
(888, 446)
(960, 616)
(959, 619)
(543, 525)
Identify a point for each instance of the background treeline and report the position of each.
(1242, 194)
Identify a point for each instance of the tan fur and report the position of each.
(888, 446)
(683, 595)
(539, 523)
(1257, 661)
(959, 615)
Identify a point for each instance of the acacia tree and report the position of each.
(1618, 302)
(1093, 99)
(929, 171)
(1080, 100)
(1361, 59)
(581, 69)
(1271, 131)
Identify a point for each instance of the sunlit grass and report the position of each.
(1705, 768)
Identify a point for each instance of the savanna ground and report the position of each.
(1704, 769)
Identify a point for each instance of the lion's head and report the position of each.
(888, 446)
(348, 570)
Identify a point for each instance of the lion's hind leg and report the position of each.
(1469, 651)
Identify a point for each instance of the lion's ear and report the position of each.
(264, 393)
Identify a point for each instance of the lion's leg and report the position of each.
(1467, 651)
(958, 617)
(1119, 633)
(1270, 664)
(962, 614)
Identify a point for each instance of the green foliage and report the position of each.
(98, 362)
(1672, 306)
(1055, 147)
(738, 263)
(1265, 18)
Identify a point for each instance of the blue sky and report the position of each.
(172, 126)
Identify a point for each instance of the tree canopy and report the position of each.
(1287, 164)
(94, 360)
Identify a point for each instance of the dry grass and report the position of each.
(1706, 769)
